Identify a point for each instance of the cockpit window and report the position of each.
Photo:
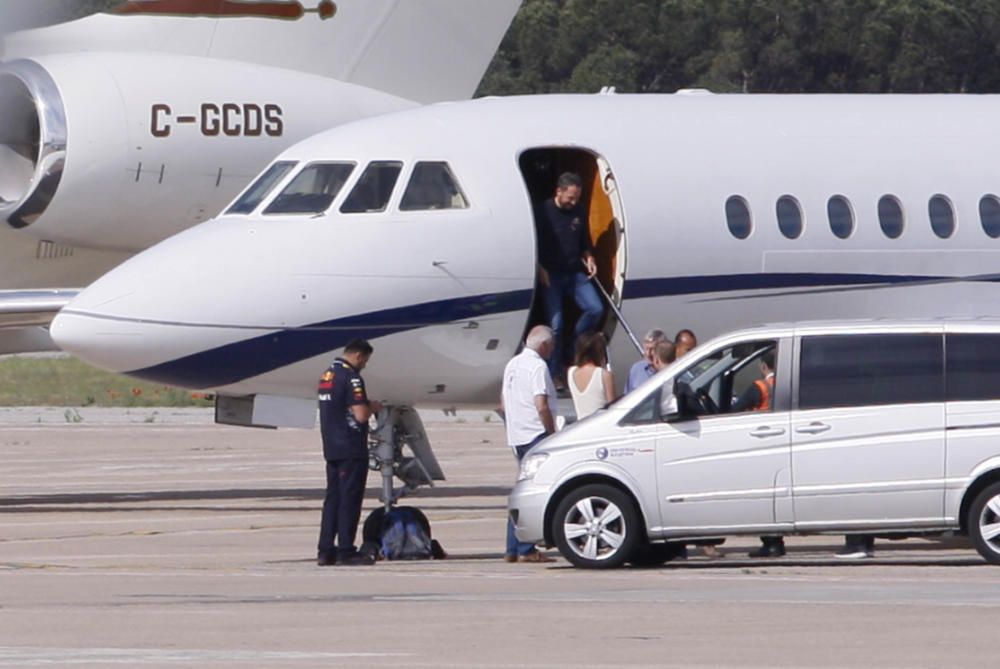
(254, 195)
(374, 188)
(432, 186)
(313, 190)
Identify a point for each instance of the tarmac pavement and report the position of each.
(171, 543)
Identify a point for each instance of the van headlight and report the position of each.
(531, 464)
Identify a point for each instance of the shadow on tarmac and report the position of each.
(18, 502)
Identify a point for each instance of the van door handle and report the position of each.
(762, 432)
(812, 428)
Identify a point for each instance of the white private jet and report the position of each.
(415, 230)
(123, 128)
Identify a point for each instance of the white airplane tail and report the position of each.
(422, 50)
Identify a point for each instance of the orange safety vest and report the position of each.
(766, 387)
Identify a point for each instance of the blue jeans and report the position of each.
(562, 285)
(515, 547)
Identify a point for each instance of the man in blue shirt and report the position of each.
(566, 263)
(644, 368)
(344, 410)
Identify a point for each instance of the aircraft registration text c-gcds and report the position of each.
(228, 119)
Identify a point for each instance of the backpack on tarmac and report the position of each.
(403, 533)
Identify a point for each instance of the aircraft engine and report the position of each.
(119, 151)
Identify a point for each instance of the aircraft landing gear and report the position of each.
(398, 447)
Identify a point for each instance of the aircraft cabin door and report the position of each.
(608, 236)
(541, 168)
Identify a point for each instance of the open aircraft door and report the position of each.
(608, 234)
(541, 168)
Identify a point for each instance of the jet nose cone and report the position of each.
(154, 315)
(113, 345)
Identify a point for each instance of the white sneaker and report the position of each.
(853, 554)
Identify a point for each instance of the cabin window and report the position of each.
(989, 215)
(260, 189)
(313, 190)
(789, 217)
(372, 192)
(738, 217)
(890, 216)
(841, 216)
(432, 186)
(942, 216)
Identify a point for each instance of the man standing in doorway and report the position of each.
(566, 263)
(529, 405)
(344, 410)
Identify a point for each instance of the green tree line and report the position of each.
(751, 46)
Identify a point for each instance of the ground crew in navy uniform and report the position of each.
(344, 410)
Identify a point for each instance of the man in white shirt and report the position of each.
(529, 405)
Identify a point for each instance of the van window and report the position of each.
(372, 192)
(863, 370)
(313, 190)
(973, 369)
(432, 186)
(261, 187)
(726, 381)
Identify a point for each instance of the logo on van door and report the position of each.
(622, 452)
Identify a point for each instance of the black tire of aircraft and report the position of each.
(630, 522)
(991, 553)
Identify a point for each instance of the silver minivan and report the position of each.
(876, 427)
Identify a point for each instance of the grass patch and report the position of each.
(62, 381)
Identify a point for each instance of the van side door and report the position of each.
(868, 438)
(720, 459)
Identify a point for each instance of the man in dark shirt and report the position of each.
(566, 262)
(344, 410)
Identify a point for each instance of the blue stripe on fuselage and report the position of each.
(244, 359)
(251, 357)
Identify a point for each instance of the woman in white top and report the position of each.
(590, 383)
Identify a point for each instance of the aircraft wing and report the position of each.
(25, 316)
(21, 308)
(422, 50)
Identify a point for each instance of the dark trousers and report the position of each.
(345, 492)
(515, 547)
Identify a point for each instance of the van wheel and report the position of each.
(596, 527)
(654, 555)
(984, 523)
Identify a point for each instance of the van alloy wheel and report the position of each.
(596, 526)
(989, 523)
(984, 523)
